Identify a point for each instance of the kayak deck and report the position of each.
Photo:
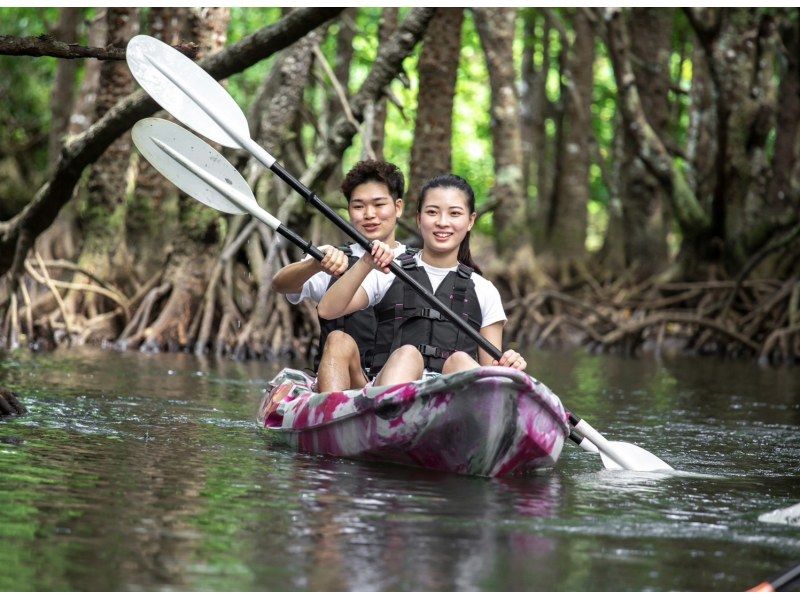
(490, 421)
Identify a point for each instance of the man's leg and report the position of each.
(340, 364)
(459, 362)
(404, 365)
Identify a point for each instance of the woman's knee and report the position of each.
(409, 355)
(458, 362)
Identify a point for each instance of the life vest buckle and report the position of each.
(435, 352)
(430, 313)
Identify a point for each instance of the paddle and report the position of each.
(195, 98)
(203, 173)
(779, 583)
(789, 516)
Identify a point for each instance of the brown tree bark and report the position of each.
(686, 208)
(534, 105)
(643, 202)
(496, 30)
(341, 71)
(57, 48)
(431, 153)
(386, 29)
(63, 97)
(84, 113)
(146, 229)
(567, 216)
(782, 192)
(198, 234)
(103, 219)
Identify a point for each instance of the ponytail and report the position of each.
(465, 256)
(455, 182)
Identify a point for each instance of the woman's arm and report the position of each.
(290, 279)
(346, 296)
(494, 334)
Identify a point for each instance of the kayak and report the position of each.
(490, 421)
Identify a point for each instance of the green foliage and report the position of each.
(244, 22)
(26, 84)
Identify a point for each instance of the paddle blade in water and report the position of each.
(152, 135)
(787, 516)
(641, 459)
(185, 90)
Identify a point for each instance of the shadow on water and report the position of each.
(143, 472)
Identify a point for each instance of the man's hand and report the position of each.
(335, 261)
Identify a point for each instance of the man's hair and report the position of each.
(374, 171)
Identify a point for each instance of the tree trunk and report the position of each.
(567, 218)
(341, 70)
(496, 30)
(642, 197)
(145, 224)
(289, 78)
(103, 219)
(431, 153)
(534, 105)
(199, 229)
(63, 97)
(84, 113)
(386, 29)
(688, 211)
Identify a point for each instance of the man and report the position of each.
(374, 193)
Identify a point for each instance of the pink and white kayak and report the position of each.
(491, 421)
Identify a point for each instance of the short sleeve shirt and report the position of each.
(376, 284)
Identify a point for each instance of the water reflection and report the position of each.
(142, 472)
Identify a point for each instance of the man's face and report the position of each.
(373, 211)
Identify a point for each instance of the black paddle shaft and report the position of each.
(348, 229)
(300, 242)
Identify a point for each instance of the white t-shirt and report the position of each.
(314, 288)
(376, 284)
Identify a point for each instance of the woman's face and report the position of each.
(445, 219)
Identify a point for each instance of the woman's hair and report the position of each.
(374, 171)
(454, 181)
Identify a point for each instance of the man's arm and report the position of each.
(290, 279)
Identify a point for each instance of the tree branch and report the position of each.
(46, 45)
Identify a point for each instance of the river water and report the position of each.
(147, 472)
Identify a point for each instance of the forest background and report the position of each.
(636, 170)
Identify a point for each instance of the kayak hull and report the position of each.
(491, 421)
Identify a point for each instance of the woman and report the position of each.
(412, 339)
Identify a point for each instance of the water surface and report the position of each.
(147, 472)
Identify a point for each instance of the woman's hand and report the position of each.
(512, 359)
(380, 257)
(335, 261)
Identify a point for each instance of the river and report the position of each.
(147, 472)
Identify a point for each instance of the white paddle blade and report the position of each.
(640, 458)
(787, 516)
(185, 160)
(185, 90)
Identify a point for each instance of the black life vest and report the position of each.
(405, 318)
(360, 325)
